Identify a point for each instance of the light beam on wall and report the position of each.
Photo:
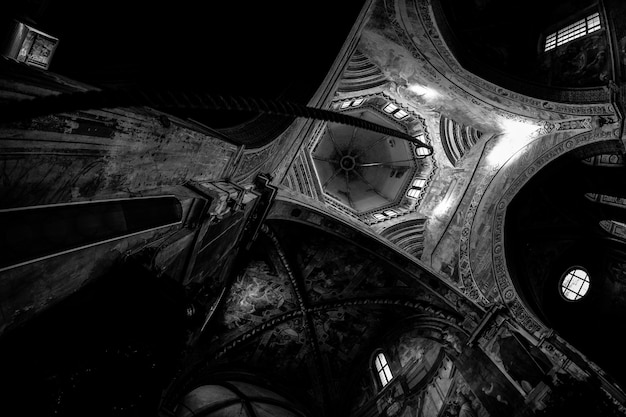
(446, 202)
(514, 137)
(420, 90)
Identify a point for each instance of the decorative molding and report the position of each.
(456, 138)
(468, 283)
(503, 280)
(300, 177)
(257, 330)
(425, 12)
(425, 308)
(285, 263)
(360, 74)
(605, 160)
(252, 160)
(412, 124)
(327, 220)
(408, 235)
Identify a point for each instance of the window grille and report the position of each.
(574, 31)
(382, 369)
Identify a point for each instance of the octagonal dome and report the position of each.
(367, 171)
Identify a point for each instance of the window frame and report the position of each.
(385, 369)
(583, 18)
(395, 110)
(416, 188)
(562, 288)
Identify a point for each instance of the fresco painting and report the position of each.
(257, 294)
(487, 382)
(582, 63)
(514, 359)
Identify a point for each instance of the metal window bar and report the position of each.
(382, 368)
(400, 114)
(574, 31)
(390, 108)
(413, 192)
(575, 284)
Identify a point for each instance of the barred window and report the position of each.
(396, 111)
(575, 284)
(416, 188)
(413, 192)
(574, 31)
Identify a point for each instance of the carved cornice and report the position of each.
(321, 218)
(503, 280)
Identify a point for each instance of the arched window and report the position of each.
(382, 369)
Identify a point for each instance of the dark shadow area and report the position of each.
(108, 350)
(273, 50)
(551, 226)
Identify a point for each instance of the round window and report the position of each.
(575, 284)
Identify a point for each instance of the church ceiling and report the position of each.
(368, 174)
(308, 307)
(401, 61)
(373, 244)
(486, 139)
(552, 225)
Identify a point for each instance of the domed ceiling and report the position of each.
(505, 36)
(368, 174)
(553, 225)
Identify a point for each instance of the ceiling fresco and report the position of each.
(308, 307)
(473, 126)
(351, 242)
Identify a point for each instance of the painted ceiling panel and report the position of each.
(282, 350)
(262, 291)
(309, 306)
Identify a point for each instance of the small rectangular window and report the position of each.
(390, 108)
(574, 31)
(400, 114)
(413, 192)
(419, 183)
(357, 102)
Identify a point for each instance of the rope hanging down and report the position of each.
(178, 99)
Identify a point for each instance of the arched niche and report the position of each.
(505, 44)
(553, 225)
(421, 354)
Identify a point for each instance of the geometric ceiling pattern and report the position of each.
(369, 175)
(307, 306)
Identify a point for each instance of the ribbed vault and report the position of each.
(308, 308)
